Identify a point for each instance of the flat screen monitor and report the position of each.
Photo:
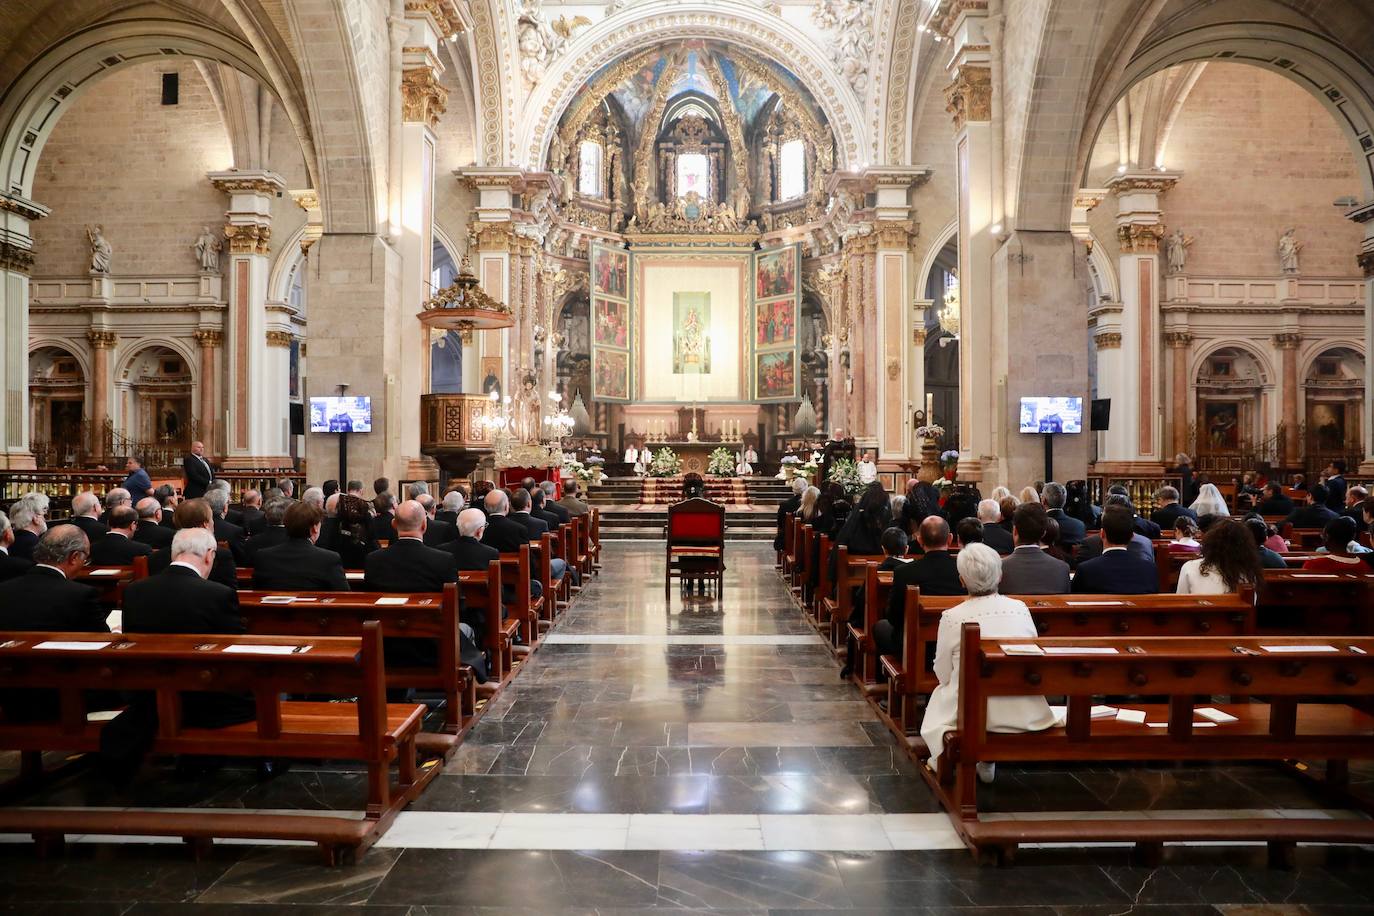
(1051, 415)
(341, 415)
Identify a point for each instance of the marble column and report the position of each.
(1287, 343)
(1178, 342)
(1132, 445)
(16, 262)
(209, 340)
(493, 240)
(102, 342)
(257, 412)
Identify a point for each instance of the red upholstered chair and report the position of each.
(696, 542)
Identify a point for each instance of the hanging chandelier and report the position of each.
(948, 314)
(464, 306)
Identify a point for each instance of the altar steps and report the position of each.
(647, 523)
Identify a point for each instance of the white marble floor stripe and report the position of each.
(631, 639)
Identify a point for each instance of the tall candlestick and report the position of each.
(930, 408)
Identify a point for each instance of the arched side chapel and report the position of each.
(1068, 160)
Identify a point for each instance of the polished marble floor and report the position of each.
(682, 754)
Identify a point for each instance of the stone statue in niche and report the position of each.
(1176, 247)
(558, 153)
(100, 250)
(1288, 252)
(207, 249)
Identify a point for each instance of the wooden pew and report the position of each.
(594, 539)
(851, 571)
(525, 610)
(1306, 717)
(822, 599)
(1311, 602)
(369, 730)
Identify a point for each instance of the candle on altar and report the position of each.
(930, 408)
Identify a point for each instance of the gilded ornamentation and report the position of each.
(918, 336)
(423, 97)
(590, 101)
(1366, 261)
(850, 24)
(443, 12)
(1287, 341)
(894, 233)
(644, 154)
(1135, 238)
(209, 337)
(956, 9)
(247, 183)
(969, 97)
(247, 238)
(102, 340)
(487, 45)
(585, 216)
(1179, 340)
(1137, 183)
(491, 236)
(1108, 340)
(691, 214)
(279, 338)
(14, 258)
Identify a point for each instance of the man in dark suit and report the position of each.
(573, 502)
(273, 535)
(86, 516)
(1335, 485)
(1117, 571)
(29, 524)
(539, 508)
(785, 509)
(298, 564)
(935, 573)
(197, 471)
(10, 566)
(385, 506)
(1315, 513)
(117, 547)
(520, 512)
(994, 535)
(471, 555)
(224, 529)
(436, 532)
(549, 488)
(1170, 509)
(150, 530)
(503, 532)
(1274, 502)
(1141, 545)
(114, 498)
(1029, 570)
(195, 513)
(1354, 502)
(253, 519)
(1071, 530)
(167, 497)
(45, 598)
(407, 565)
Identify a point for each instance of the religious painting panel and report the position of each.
(170, 418)
(610, 272)
(612, 323)
(775, 376)
(1326, 420)
(611, 375)
(775, 273)
(1221, 421)
(775, 323)
(691, 333)
(491, 375)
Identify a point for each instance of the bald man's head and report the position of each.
(497, 502)
(410, 519)
(934, 533)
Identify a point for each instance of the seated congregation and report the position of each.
(332, 627)
(1039, 630)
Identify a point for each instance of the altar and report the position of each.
(696, 455)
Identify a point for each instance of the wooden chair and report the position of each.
(695, 547)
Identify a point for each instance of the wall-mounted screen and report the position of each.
(341, 415)
(1051, 415)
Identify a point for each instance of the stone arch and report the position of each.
(1102, 269)
(755, 29)
(942, 238)
(493, 48)
(1268, 375)
(1318, 348)
(68, 345)
(285, 265)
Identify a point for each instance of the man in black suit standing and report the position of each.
(1117, 571)
(150, 529)
(197, 471)
(1335, 485)
(436, 532)
(117, 547)
(274, 534)
(503, 532)
(1170, 509)
(86, 516)
(298, 564)
(181, 599)
(10, 566)
(407, 565)
(1071, 530)
(218, 498)
(935, 573)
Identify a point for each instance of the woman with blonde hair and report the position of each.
(1001, 493)
(807, 509)
(1028, 495)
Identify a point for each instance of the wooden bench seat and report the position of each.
(1306, 718)
(368, 730)
(1298, 601)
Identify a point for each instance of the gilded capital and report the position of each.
(12, 257)
(1108, 340)
(894, 233)
(444, 13)
(102, 340)
(279, 338)
(496, 235)
(247, 238)
(1179, 340)
(969, 97)
(1136, 238)
(209, 337)
(1287, 341)
(423, 97)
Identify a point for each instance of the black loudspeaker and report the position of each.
(171, 88)
(1102, 413)
(298, 419)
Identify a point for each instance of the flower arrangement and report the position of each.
(721, 463)
(791, 459)
(932, 431)
(845, 472)
(586, 476)
(949, 458)
(665, 463)
(595, 459)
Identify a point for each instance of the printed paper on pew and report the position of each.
(1134, 716)
(259, 650)
(1299, 648)
(1090, 603)
(102, 715)
(1103, 712)
(78, 646)
(354, 576)
(1215, 715)
(1081, 650)
(1195, 724)
(104, 572)
(390, 601)
(1021, 649)
(278, 599)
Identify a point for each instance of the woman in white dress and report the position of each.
(980, 569)
(1209, 502)
(1230, 559)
